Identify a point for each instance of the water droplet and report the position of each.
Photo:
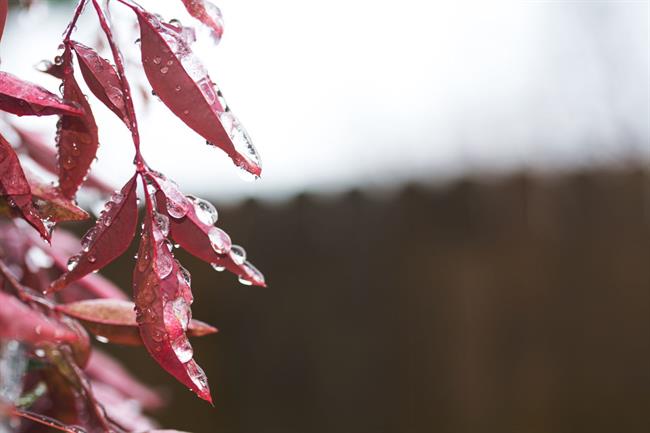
(158, 335)
(68, 163)
(73, 262)
(92, 258)
(185, 275)
(186, 112)
(181, 311)
(240, 139)
(251, 274)
(157, 60)
(205, 211)
(165, 261)
(162, 223)
(102, 339)
(244, 280)
(238, 254)
(220, 241)
(197, 375)
(178, 88)
(164, 70)
(183, 349)
(217, 267)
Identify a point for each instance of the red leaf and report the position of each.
(116, 320)
(19, 322)
(76, 137)
(4, 8)
(209, 14)
(15, 187)
(108, 239)
(182, 83)
(107, 370)
(162, 297)
(102, 79)
(27, 99)
(197, 236)
(45, 156)
(52, 206)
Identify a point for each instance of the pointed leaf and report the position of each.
(45, 156)
(76, 137)
(196, 236)
(209, 14)
(182, 83)
(19, 322)
(102, 79)
(15, 188)
(53, 206)
(115, 320)
(108, 239)
(162, 297)
(27, 99)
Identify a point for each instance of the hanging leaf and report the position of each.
(27, 99)
(191, 226)
(77, 137)
(162, 297)
(209, 14)
(115, 320)
(182, 83)
(102, 79)
(15, 188)
(108, 239)
(51, 205)
(45, 156)
(19, 322)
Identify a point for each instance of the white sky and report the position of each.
(363, 93)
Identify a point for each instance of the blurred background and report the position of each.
(454, 214)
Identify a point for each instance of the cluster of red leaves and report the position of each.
(50, 295)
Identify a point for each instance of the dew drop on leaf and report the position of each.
(238, 254)
(217, 267)
(162, 223)
(204, 210)
(183, 349)
(73, 262)
(164, 262)
(220, 241)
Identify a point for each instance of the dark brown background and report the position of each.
(518, 304)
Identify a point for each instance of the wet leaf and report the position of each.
(162, 297)
(196, 236)
(107, 239)
(27, 99)
(102, 79)
(15, 188)
(115, 320)
(51, 205)
(20, 322)
(77, 137)
(209, 14)
(182, 83)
